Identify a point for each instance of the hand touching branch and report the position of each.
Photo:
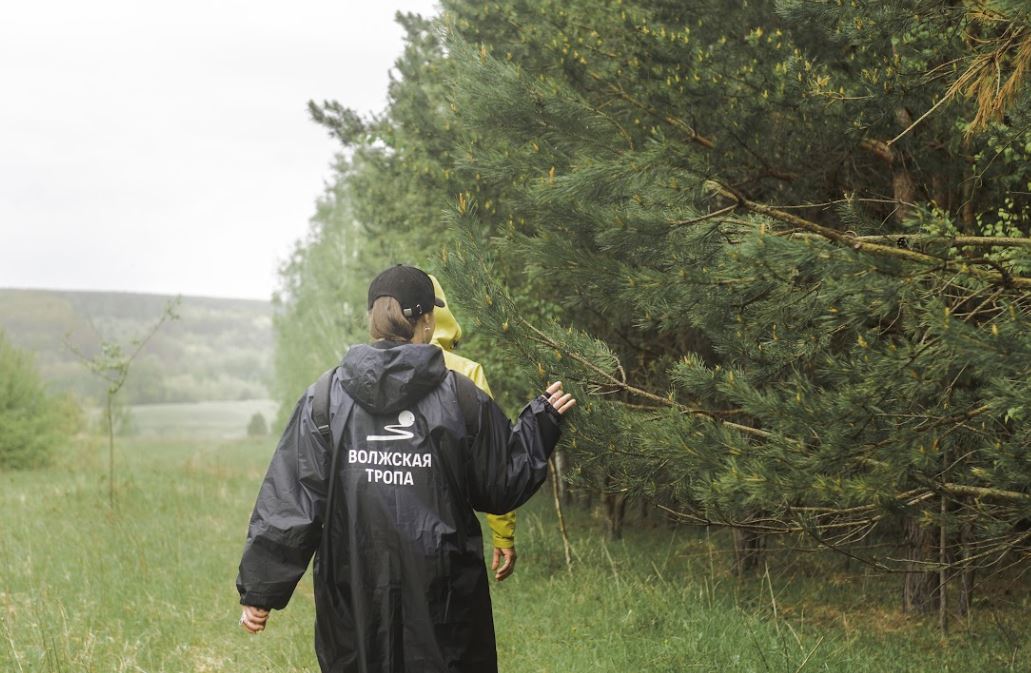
(561, 400)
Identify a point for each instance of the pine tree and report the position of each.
(782, 253)
(319, 307)
(854, 361)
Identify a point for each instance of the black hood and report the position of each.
(384, 378)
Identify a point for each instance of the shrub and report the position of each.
(31, 421)
(257, 426)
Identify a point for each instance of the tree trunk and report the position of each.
(920, 590)
(749, 551)
(940, 192)
(110, 451)
(904, 189)
(902, 184)
(559, 462)
(967, 209)
(966, 575)
(615, 509)
(588, 498)
(556, 479)
(943, 576)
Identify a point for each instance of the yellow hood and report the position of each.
(446, 336)
(448, 332)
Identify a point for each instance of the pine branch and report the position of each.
(543, 338)
(995, 277)
(904, 240)
(703, 218)
(675, 122)
(983, 492)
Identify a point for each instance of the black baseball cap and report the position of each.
(410, 286)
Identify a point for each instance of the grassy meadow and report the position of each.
(148, 586)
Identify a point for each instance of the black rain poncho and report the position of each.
(400, 581)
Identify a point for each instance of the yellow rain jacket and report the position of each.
(446, 335)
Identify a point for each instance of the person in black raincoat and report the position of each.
(400, 581)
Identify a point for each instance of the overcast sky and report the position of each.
(166, 147)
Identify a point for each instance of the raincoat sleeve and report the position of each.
(286, 525)
(509, 462)
(502, 526)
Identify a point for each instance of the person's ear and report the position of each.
(425, 327)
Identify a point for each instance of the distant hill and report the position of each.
(219, 349)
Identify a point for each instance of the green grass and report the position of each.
(148, 586)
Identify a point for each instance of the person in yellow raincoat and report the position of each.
(447, 335)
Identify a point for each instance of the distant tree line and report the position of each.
(219, 350)
(782, 251)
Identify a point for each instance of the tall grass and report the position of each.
(148, 587)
